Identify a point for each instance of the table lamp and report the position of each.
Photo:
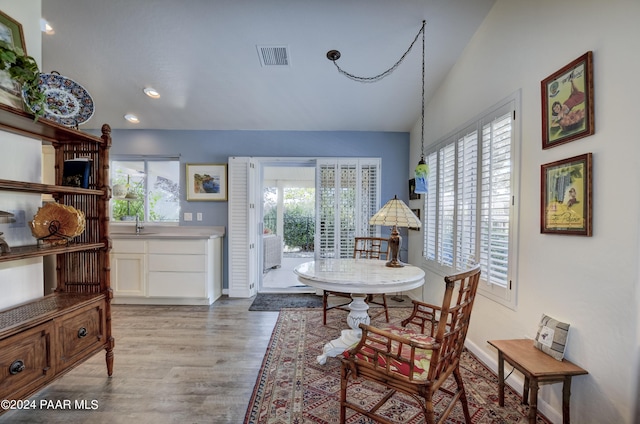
(395, 213)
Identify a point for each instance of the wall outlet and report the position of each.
(199, 216)
(188, 216)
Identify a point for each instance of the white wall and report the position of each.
(21, 281)
(590, 282)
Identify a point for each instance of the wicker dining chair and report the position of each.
(412, 361)
(366, 248)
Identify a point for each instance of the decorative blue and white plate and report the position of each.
(66, 101)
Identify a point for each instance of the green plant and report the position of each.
(24, 70)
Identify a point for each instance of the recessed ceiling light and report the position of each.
(151, 92)
(132, 118)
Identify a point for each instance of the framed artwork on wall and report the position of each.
(11, 34)
(567, 103)
(412, 190)
(566, 195)
(207, 182)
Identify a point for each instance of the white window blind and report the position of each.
(469, 207)
(348, 193)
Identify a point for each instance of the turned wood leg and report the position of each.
(500, 378)
(566, 394)
(533, 400)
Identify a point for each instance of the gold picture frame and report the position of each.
(206, 182)
(12, 34)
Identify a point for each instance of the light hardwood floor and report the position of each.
(173, 364)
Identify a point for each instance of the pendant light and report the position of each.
(422, 170)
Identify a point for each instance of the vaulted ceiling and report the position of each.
(202, 56)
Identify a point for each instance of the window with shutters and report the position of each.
(470, 207)
(348, 194)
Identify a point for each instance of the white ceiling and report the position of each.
(202, 57)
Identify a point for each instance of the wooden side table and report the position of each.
(537, 367)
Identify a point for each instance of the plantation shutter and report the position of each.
(446, 204)
(496, 199)
(467, 198)
(242, 231)
(348, 194)
(430, 208)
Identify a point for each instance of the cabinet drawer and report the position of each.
(127, 246)
(181, 247)
(177, 263)
(177, 284)
(81, 333)
(25, 361)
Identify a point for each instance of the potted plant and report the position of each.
(24, 70)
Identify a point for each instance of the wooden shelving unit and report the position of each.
(42, 339)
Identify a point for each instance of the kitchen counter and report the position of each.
(122, 231)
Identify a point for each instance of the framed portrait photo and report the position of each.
(566, 194)
(11, 33)
(207, 182)
(412, 190)
(567, 103)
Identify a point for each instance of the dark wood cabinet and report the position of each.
(43, 338)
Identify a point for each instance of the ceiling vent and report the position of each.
(273, 55)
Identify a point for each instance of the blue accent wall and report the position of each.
(217, 146)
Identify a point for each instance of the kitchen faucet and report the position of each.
(138, 225)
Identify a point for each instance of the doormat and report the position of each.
(276, 301)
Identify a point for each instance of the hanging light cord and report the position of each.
(422, 115)
(334, 55)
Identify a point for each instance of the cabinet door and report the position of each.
(128, 274)
(25, 361)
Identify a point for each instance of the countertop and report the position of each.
(121, 231)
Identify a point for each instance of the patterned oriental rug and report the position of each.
(292, 388)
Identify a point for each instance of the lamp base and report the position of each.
(394, 263)
(394, 246)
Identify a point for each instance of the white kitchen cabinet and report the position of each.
(161, 269)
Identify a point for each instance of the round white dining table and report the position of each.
(358, 277)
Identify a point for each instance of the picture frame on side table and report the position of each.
(566, 196)
(12, 34)
(567, 103)
(206, 182)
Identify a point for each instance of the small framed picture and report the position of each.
(11, 33)
(412, 190)
(565, 204)
(207, 182)
(567, 103)
(417, 213)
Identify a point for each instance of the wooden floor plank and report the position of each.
(173, 364)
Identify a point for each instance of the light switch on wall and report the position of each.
(199, 216)
(188, 216)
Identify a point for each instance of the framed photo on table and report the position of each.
(567, 103)
(207, 182)
(11, 33)
(565, 196)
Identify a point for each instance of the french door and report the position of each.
(347, 195)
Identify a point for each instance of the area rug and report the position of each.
(278, 301)
(292, 388)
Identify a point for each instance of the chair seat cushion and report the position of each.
(376, 342)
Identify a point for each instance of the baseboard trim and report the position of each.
(515, 380)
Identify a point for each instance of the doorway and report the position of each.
(288, 224)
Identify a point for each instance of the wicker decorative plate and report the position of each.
(57, 224)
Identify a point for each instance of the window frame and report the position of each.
(506, 296)
(146, 159)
